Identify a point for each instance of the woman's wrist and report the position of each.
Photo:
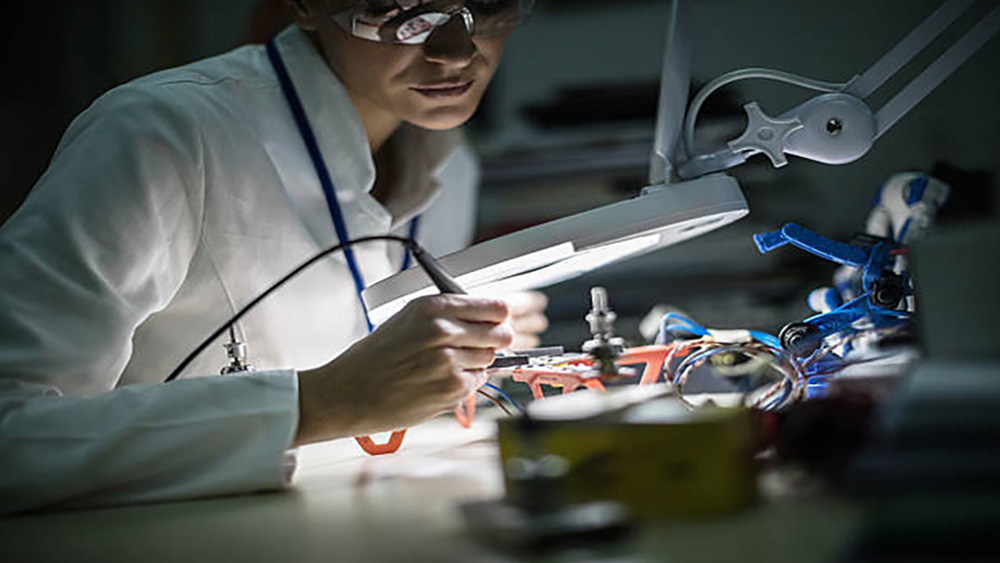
(320, 418)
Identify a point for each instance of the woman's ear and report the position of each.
(307, 13)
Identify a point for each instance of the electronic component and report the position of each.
(641, 446)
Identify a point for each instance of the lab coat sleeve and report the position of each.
(103, 242)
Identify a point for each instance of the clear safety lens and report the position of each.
(411, 22)
(415, 31)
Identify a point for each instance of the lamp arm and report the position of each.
(840, 127)
(938, 71)
(674, 87)
(899, 56)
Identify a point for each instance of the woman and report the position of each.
(175, 199)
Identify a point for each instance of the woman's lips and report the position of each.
(446, 90)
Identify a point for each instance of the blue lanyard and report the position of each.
(309, 138)
(408, 257)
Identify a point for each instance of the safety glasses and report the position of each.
(411, 22)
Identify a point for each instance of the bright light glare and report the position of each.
(516, 265)
(579, 263)
(479, 278)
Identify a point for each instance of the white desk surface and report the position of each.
(345, 506)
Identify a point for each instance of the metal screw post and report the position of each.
(604, 346)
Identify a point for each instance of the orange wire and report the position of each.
(495, 401)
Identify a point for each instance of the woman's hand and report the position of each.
(420, 363)
(527, 318)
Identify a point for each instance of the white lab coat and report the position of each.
(169, 204)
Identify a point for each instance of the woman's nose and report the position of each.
(451, 44)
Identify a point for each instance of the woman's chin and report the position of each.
(440, 119)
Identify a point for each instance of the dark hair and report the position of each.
(268, 19)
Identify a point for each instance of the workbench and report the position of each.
(346, 506)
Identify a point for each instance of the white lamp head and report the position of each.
(565, 248)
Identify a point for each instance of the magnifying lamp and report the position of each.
(836, 127)
(665, 213)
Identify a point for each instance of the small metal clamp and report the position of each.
(237, 353)
(605, 347)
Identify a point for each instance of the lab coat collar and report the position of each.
(418, 156)
(341, 136)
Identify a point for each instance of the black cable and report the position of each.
(433, 269)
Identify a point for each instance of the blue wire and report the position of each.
(769, 340)
(686, 324)
(697, 357)
(694, 330)
(505, 396)
(698, 330)
(685, 320)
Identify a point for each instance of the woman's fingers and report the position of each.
(462, 307)
(473, 379)
(525, 303)
(472, 358)
(534, 323)
(525, 342)
(461, 334)
(527, 318)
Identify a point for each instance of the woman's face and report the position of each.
(436, 85)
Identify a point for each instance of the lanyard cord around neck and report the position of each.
(323, 173)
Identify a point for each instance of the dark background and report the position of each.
(568, 124)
